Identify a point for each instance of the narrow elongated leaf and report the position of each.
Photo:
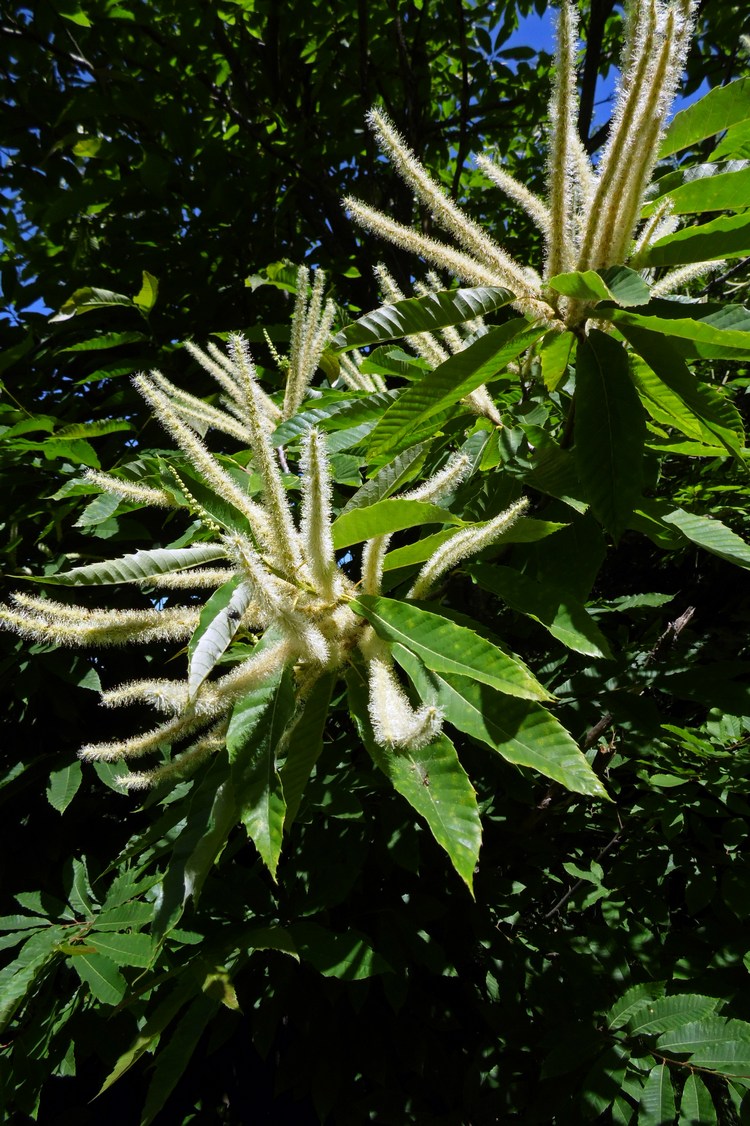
(657, 1106)
(172, 1061)
(123, 949)
(610, 431)
(564, 616)
(446, 647)
(347, 413)
(63, 786)
(303, 745)
(481, 362)
(727, 191)
(728, 1058)
(135, 914)
(715, 112)
(387, 516)
(709, 1032)
(349, 957)
(525, 530)
(19, 977)
(633, 1000)
(696, 1105)
(104, 341)
(711, 535)
(21, 922)
(422, 314)
(725, 237)
(521, 732)
(137, 567)
(665, 1013)
(433, 782)
(102, 977)
(88, 298)
(698, 338)
(219, 621)
(388, 480)
(252, 747)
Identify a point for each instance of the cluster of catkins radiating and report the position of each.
(287, 585)
(590, 214)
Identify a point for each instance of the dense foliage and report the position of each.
(296, 921)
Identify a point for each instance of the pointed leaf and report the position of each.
(252, 748)
(715, 112)
(632, 1001)
(433, 782)
(349, 957)
(610, 431)
(525, 530)
(725, 237)
(102, 977)
(303, 745)
(387, 480)
(564, 616)
(711, 535)
(696, 1105)
(19, 977)
(666, 1013)
(482, 362)
(219, 621)
(520, 731)
(696, 337)
(617, 283)
(726, 191)
(422, 314)
(728, 1058)
(145, 299)
(138, 567)
(87, 299)
(712, 1031)
(387, 516)
(123, 949)
(657, 1106)
(105, 340)
(63, 786)
(349, 412)
(171, 1061)
(446, 647)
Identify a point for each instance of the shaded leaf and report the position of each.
(87, 299)
(696, 1105)
(171, 1061)
(303, 744)
(665, 1013)
(219, 621)
(349, 957)
(657, 1106)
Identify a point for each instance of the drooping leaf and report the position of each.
(63, 785)
(696, 1105)
(610, 431)
(422, 314)
(145, 299)
(522, 732)
(710, 534)
(303, 744)
(657, 1106)
(444, 646)
(386, 516)
(102, 977)
(696, 337)
(219, 621)
(713, 113)
(88, 298)
(725, 191)
(731, 1057)
(19, 977)
(138, 567)
(433, 782)
(564, 616)
(484, 360)
(172, 1061)
(253, 746)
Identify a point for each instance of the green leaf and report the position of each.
(386, 516)
(98, 510)
(483, 361)
(433, 782)
(696, 1105)
(555, 354)
(522, 732)
(726, 191)
(87, 299)
(138, 567)
(252, 748)
(387, 480)
(102, 977)
(728, 236)
(63, 786)
(446, 647)
(338, 411)
(711, 535)
(349, 957)
(617, 283)
(303, 745)
(610, 431)
(525, 530)
(727, 1058)
(172, 1061)
(635, 999)
(422, 314)
(711, 1032)
(666, 1013)
(19, 977)
(105, 340)
(558, 611)
(720, 108)
(219, 621)
(78, 886)
(21, 922)
(145, 299)
(657, 1106)
(270, 938)
(134, 914)
(701, 338)
(123, 949)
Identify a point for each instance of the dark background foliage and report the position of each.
(209, 145)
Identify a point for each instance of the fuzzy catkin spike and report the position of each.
(45, 620)
(465, 543)
(533, 205)
(561, 160)
(394, 721)
(317, 514)
(185, 763)
(129, 490)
